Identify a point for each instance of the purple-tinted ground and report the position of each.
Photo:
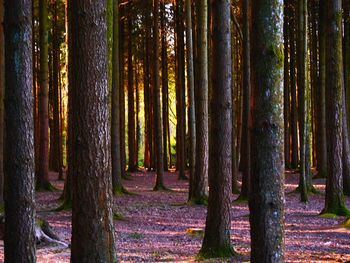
(154, 225)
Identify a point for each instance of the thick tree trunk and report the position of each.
(200, 179)
(43, 169)
(346, 56)
(216, 241)
(2, 93)
(334, 202)
(19, 197)
(266, 200)
(92, 225)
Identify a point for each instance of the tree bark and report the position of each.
(19, 197)
(216, 241)
(43, 169)
(92, 225)
(266, 200)
(2, 93)
(334, 202)
(200, 180)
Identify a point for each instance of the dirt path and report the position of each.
(154, 225)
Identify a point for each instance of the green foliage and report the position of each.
(136, 235)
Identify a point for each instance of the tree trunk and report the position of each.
(266, 200)
(131, 99)
(302, 100)
(190, 92)
(200, 180)
(2, 93)
(92, 225)
(19, 240)
(165, 87)
(180, 87)
(216, 241)
(115, 125)
(43, 170)
(321, 96)
(334, 202)
(156, 93)
(245, 146)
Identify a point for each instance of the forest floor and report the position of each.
(154, 225)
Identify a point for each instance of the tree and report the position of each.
(19, 142)
(334, 202)
(190, 90)
(302, 99)
(2, 93)
(92, 225)
(216, 241)
(156, 93)
(200, 180)
(115, 125)
(266, 200)
(43, 169)
(245, 146)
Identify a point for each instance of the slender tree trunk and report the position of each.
(180, 84)
(286, 82)
(346, 56)
(334, 202)
(19, 240)
(131, 99)
(190, 92)
(115, 125)
(321, 95)
(266, 201)
(293, 89)
(165, 86)
(302, 86)
(92, 225)
(156, 93)
(43, 170)
(200, 180)
(245, 150)
(216, 241)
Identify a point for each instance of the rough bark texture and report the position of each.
(43, 169)
(346, 56)
(19, 148)
(156, 93)
(2, 93)
(115, 120)
(92, 225)
(334, 202)
(200, 179)
(216, 241)
(266, 201)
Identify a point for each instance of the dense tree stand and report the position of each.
(266, 201)
(216, 241)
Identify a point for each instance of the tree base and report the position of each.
(241, 199)
(120, 190)
(200, 200)
(160, 187)
(65, 206)
(46, 187)
(335, 211)
(218, 252)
